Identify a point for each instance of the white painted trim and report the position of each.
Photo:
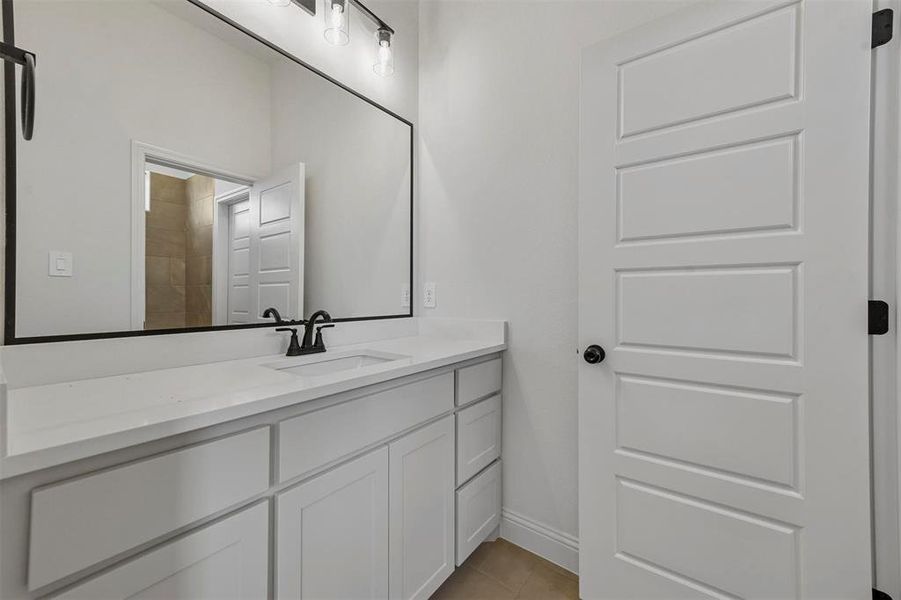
(140, 153)
(551, 544)
(885, 284)
(221, 206)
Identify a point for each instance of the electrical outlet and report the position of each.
(405, 296)
(430, 295)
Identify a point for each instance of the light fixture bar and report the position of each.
(372, 16)
(307, 5)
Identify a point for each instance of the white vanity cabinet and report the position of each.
(224, 561)
(332, 533)
(374, 493)
(337, 539)
(421, 471)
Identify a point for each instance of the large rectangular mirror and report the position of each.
(185, 174)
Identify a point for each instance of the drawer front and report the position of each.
(228, 559)
(312, 440)
(82, 521)
(478, 510)
(478, 437)
(478, 381)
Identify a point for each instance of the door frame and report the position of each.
(885, 284)
(142, 153)
(221, 250)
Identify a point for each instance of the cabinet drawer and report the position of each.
(315, 439)
(228, 559)
(478, 510)
(478, 381)
(478, 437)
(82, 521)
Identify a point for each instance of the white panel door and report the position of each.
(332, 533)
(723, 443)
(276, 243)
(239, 263)
(421, 484)
(228, 560)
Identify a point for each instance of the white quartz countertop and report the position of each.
(60, 422)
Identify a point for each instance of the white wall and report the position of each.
(499, 116)
(80, 158)
(357, 158)
(300, 34)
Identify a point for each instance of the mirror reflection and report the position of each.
(199, 181)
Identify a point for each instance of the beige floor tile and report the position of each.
(556, 568)
(507, 563)
(545, 583)
(468, 584)
(501, 570)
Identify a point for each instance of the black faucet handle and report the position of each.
(294, 345)
(318, 344)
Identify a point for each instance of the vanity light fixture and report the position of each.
(337, 28)
(336, 31)
(384, 64)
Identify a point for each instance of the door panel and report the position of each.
(276, 239)
(332, 533)
(723, 266)
(743, 64)
(239, 263)
(748, 188)
(421, 468)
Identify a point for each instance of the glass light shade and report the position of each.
(384, 64)
(336, 30)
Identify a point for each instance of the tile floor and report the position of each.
(502, 571)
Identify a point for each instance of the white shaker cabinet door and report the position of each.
(224, 561)
(332, 533)
(421, 467)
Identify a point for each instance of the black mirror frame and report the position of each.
(11, 133)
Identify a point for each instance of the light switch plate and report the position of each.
(430, 295)
(59, 264)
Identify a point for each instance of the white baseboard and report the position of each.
(556, 546)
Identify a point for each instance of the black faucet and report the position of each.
(308, 345)
(272, 312)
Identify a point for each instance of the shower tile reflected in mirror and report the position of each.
(178, 272)
(199, 181)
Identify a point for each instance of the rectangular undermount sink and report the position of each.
(324, 364)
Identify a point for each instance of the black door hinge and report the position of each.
(878, 317)
(882, 27)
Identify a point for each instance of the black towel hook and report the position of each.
(26, 59)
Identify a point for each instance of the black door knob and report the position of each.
(594, 354)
